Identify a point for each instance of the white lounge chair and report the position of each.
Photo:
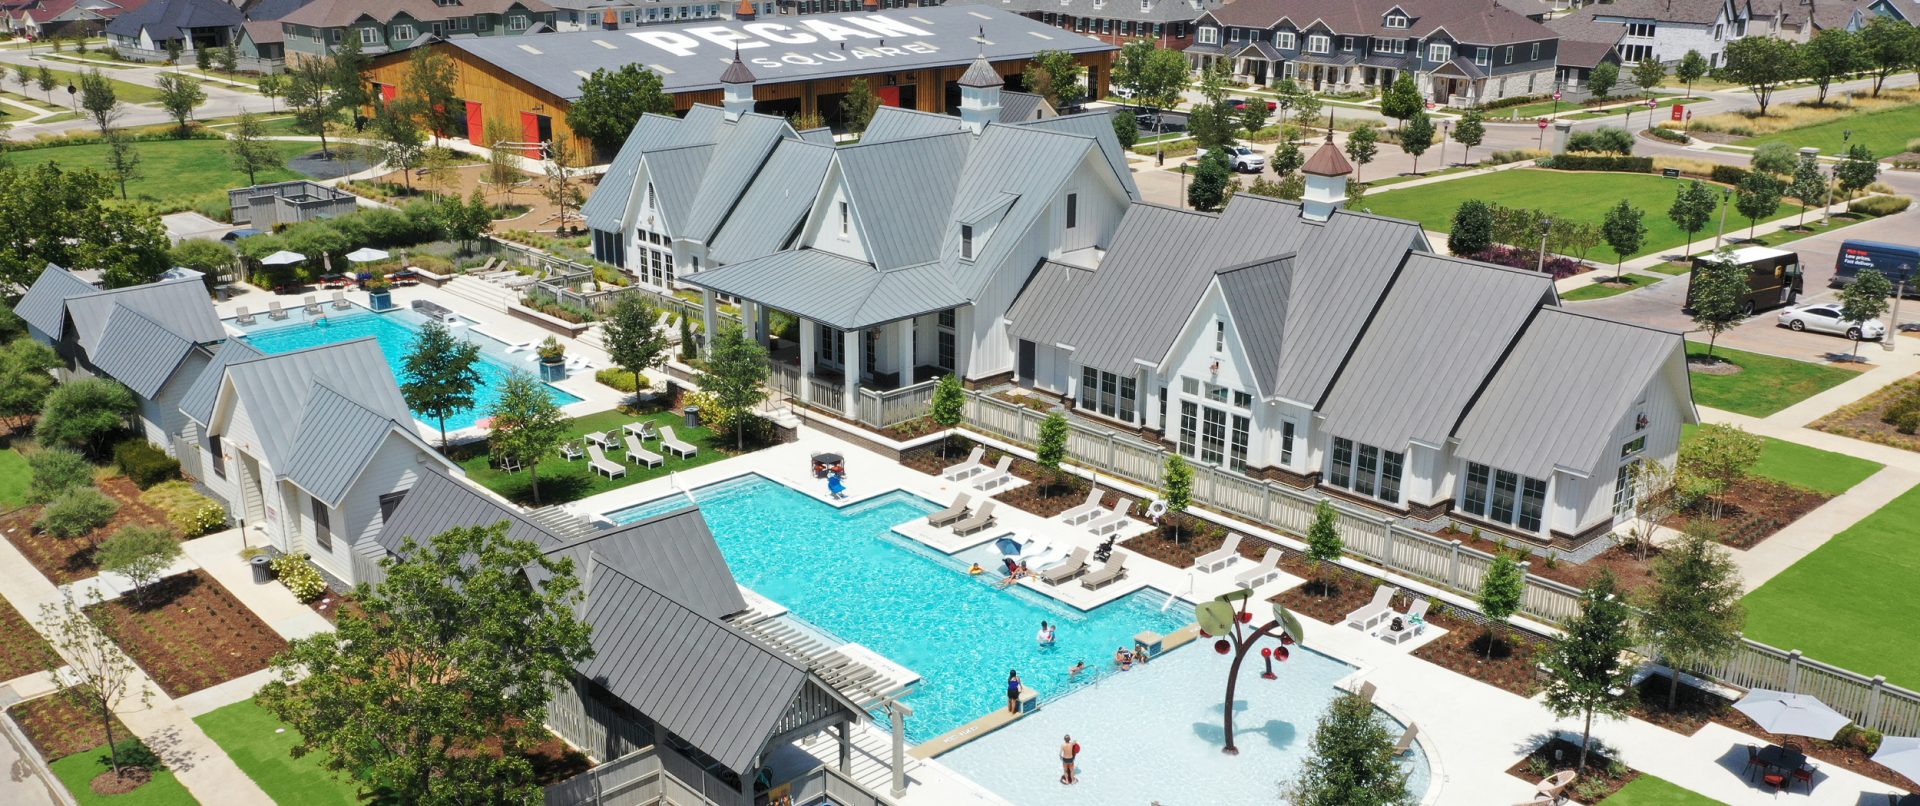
(598, 459)
(242, 315)
(340, 302)
(600, 438)
(1372, 613)
(1086, 511)
(642, 429)
(1113, 570)
(642, 456)
(1408, 626)
(952, 513)
(674, 445)
(980, 519)
(1221, 557)
(274, 311)
(1405, 744)
(1075, 565)
(311, 304)
(570, 450)
(1267, 571)
(968, 468)
(1113, 520)
(999, 476)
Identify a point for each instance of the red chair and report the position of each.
(1805, 774)
(1753, 760)
(1774, 779)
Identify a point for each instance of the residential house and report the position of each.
(1584, 44)
(1329, 349)
(1461, 52)
(49, 19)
(262, 45)
(384, 25)
(1799, 20)
(145, 33)
(1666, 29)
(1166, 22)
(610, 15)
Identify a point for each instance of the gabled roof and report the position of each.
(1472, 21)
(335, 439)
(1030, 162)
(1096, 125)
(438, 502)
(45, 304)
(1162, 11)
(902, 222)
(892, 123)
(278, 390)
(337, 13)
(674, 554)
(837, 291)
(1258, 296)
(774, 203)
(180, 306)
(170, 19)
(698, 165)
(200, 398)
(1698, 12)
(139, 352)
(1019, 106)
(675, 176)
(609, 200)
(736, 159)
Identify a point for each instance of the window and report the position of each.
(368, 36)
(1634, 54)
(334, 35)
(1366, 469)
(462, 23)
(945, 358)
(1643, 30)
(1207, 35)
(1391, 465)
(1219, 336)
(1439, 53)
(655, 257)
(1190, 386)
(1237, 448)
(1213, 435)
(1504, 497)
(1637, 445)
(1482, 56)
(1283, 40)
(1341, 474)
(1533, 55)
(1718, 31)
(403, 33)
(1319, 43)
(1126, 27)
(1366, 466)
(1396, 21)
(1389, 45)
(1509, 55)
(843, 219)
(1346, 43)
(1145, 4)
(322, 526)
(389, 503)
(1108, 394)
(517, 22)
(219, 455)
(966, 241)
(1217, 394)
(1286, 442)
(1189, 425)
(1243, 400)
(1073, 210)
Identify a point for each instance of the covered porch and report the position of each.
(1457, 83)
(1327, 73)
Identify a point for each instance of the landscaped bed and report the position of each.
(1752, 511)
(1629, 570)
(66, 560)
(1862, 419)
(562, 481)
(1602, 776)
(1765, 384)
(1513, 662)
(189, 632)
(58, 728)
(1695, 708)
(1601, 289)
(22, 650)
(1041, 496)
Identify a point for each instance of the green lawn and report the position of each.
(1847, 603)
(1639, 113)
(1598, 291)
(1803, 466)
(561, 480)
(248, 734)
(1579, 196)
(13, 479)
(78, 771)
(172, 172)
(91, 55)
(1545, 108)
(1885, 132)
(1766, 383)
(1670, 268)
(274, 124)
(1647, 790)
(126, 92)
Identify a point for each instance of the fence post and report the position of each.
(1113, 458)
(1873, 702)
(1793, 671)
(1453, 565)
(1389, 559)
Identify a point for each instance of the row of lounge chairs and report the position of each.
(977, 475)
(632, 437)
(276, 312)
(1380, 611)
(962, 517)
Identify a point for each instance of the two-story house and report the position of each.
(145, 33)
(1462, 53)
(1168, 23)
(1664, 30)
(381, 26)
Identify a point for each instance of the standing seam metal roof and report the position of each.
(277, 388)
(837, 291)
(1340, 273)
(335, 440)
(736, 160)
(1098, 125)
(180, 306)
(1258, 296)
(199, 400)
(901, 194)
(774, 204)
(139, 352)
(610, 198)
(1031, 162)
(45, 304)
(674, 554)
(675, 176)
(437, 502)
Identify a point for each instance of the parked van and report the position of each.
(1894, 262)
(1773, 277)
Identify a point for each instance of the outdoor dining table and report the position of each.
(1782, 758)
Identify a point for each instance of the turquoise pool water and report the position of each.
(845, 572)
(395, 331)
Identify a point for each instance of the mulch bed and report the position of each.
(1330, 593)
(1753, 511)
(1512, 666)
(71, 560)
(1040, 497)
(1601, 778)
(190, 633)
(1697, 708)
(1195, 539)
(330, 605)
(1629, 571)
(22, 649)
(120, 783)
(553, 760)
(1861, 418)
(59, 728)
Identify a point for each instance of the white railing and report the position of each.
(826, 785)
(882, 409)
(829, 395)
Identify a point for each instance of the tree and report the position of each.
(76, 512)
(1716, 457)
(736, 375)
(562, 189)
(23, 75)
(1211, 125)
(82, 413)
(1352, 761)
(98, 98)
(503, 164)
(858, 105)
(1864, 300)
(1052, 448)
(1500, 590)
(1469, 132)
(1763, 63)
(1472, 231)
(1401, 100)
(1717, 295)
(228, 59)
(630, 329)
(347, 77)
(173, 48)
(1888, 46)
(1691, 67)
(45, 80)
(1603, 78)
(179, 95)
(527, 426)
(428, 87)
(1290, 187)
(689, 346)
(1654, 499)
(948, 407)
(1323, 540)
(139, 553)
(1576, 238)
(273, 85)
(1692, 206)
(1176, 488)
(123, 160)
(1208, 190)
(611, 102)
(54, 472)
(1624, 231)
(1692, 610)
(438, 376)
(248, 149)
(99, 678)
(1286, 158)
(1155, 75)
(1126, 128)
(1809, 186)
(1831, 54)
(1416, 137)
(1647, 74)
(1362, 144)
(464, 221)
(1215, 79)
(202, 59)
(1756, 197)
(1857, 169)
(206, 256)
(26, 377)
(1252, 115)
(1587, 671)
(129, 249)
(310, 99)
(1056, 76)
(1775, 158)
(434, 693)
(401, 144)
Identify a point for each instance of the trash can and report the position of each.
(262, 569)
(693, 416)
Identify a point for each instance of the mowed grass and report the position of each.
(561, 480)
(1803, 466)
(14, 477)
(248, 734)
(127, 93)
(1576, 196)
(1885, 132)
(1848, 603)
(171, 172)
(1764, 385)
(77, 772)
(1599, 291)
(1647, 790)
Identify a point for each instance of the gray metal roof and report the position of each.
(901, 222)
(139, 352)
(675, 176)
(1029, 162)
(1160, 11)
(891, 123)
(981, 74)
(836, 291)
(674, 554)
(180, 306)
(1432, 344)
(736, 160)
(438, 502)
(1040, 312)
(1258, 296)
(1563, 389)
(276, 389)
(608, 203)
(1022, 106)
(820, 136)
(1096, 124)
(172, 19)
(335, 440)
(774, 203)
(45, 304)
(1340, 272)
(198, 402)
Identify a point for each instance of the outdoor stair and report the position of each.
(563, 523)
(480, 291)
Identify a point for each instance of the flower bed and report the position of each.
(22, 650)
(1511, 667)
(58, 728)
(1753, 511)
(66, 560)
(189, 633)
(1629, 571)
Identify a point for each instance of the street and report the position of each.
(222, 100)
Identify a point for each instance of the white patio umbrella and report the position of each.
(1900, 754)
(283, 258)
(1791, 714)
(367, 255)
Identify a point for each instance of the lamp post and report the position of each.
(1726, 198)
(1546, 226)
(1833, 178)
(1445, 126)
(73, 99)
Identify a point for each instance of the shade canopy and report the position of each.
(1791, 714)
(283, 258)
(367, 255)
(1900, 754)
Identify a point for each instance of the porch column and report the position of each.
(763, 324)
(748, 321)
(903, 352)
(708, 315)
(808, 331)
(846, 749)
(855, 344)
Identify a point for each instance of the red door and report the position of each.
(889, 96)
(388, 92)
(476, 123)
(530, 133)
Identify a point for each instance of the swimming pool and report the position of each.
(846, 572)
(395, 331)
(1154, 734)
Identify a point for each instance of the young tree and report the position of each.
(310, 99)
(527, 426)
(173, 48)
(1588, 675)
(612, 101)
(228, 59)
(1126, 128)
(401, 143)
(1601, 80)
(1691, 67)
(1715, 458)
(123, 159)
(1323, 541)
(1208, 188)
(1417, 137)
(434, 693)
(1401, 100)
(736, 376)
(1154, 74)
(1352, 761)
(180, 95)
(99, 678)
(1763, 63)
(139, 553)
(1362, 144)
(75, 513)
(464, 221)
(249, 150)
(23, 75)
(1832, 53)
(1693, 612)
(948, 407)
(1176, 488)
(1469, 132)
(562, 188)
(1778, 159)
(1756, 197)
(273, 85)
(1286, 158)
(858, 105)
(81, 414)
(1691, 209)
(1648, 74)
(689, 346)
(1051, 450)
(1864, 300)
(1809, 186)
(1215, 80)
(503, 164)
(630, 329)
(347, 77)
(1654, 500)
(1056, 76)
(54, 472)
(1252, 115)
(26, 377)
(1857, 169)
(1717, 295)
(45, 80)
(1472, 231)
(439, 377)
(1500, 590)
(1888, 46)
(203, 59)
(428, 88)
(1624, 231)
(1211, 125)
(1290, 187)
(98, 98)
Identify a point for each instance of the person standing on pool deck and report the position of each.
(1069, 751)
(1013, 691)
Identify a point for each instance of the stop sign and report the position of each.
(1543, 123)
(1556, 95)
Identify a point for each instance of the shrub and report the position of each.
(1515, 155)
(76, 512)
(140, 553)
(619, 379)
(1605, 140)
(1728, 174)
(1904, 414)
(133, 753)
(1526, 259)
(1518, 100)
(1601, 162)
(1867, 740)
(1668, 135)
(144, 464)
(1687, 165)
(80, 414)
(300, 577)
(55, 471)
(432, 263)
(189, 511)
(1878, 206)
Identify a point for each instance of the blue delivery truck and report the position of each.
(1894, 261)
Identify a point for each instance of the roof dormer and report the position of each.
(1397, 18)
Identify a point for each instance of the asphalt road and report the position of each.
(222, 101)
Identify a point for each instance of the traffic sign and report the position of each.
(1556, 95)
(1651, 104)
(1543, 123)
(1679, 110)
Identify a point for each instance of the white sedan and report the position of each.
(1824, 317)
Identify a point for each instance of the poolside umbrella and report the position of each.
(1900, 754)
(283, 258)
(1791, 714)
(367, 255)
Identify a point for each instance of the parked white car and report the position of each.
(1241, 159)
(1824, 317)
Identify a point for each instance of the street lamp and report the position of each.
(1546, 226)
(1726, 197)
(1833, 177)
(73, 99)
(1445, 126)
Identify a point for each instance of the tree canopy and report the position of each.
(439, 377)
(1057, 76)
(612, 101)
(736, 376)
(630, 329)
(1762, 63)
(527, 425)
(1351, 761)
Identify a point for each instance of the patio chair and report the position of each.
(1374, 612)
(507, 464)
(1086, 511)
(570, 450)
(642, 429)
(274, 311)
(1074, 566)
(311, 304)
(968, 468)
(1803, 774)
(1367, 690)
(1405, 743)
(485, 267)
(1112, 571)
(642, 456)
(242, 315)
(602, 465)
(950, 514)
(1554, 785)
(980, 519)
(340, 302)
(1113, 520)
(1408, 626)
(599, 438)
(1000, 476)
(1267, 571)
(674, 445)
(1220, 558)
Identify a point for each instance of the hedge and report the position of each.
(1668, 135)
(1878, 206)
(145, 464)
(1602, 162)
(1728, 174)
(619, 379)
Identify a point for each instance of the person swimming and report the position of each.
(1077, 669)
(1123, 659)
(976, 570)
